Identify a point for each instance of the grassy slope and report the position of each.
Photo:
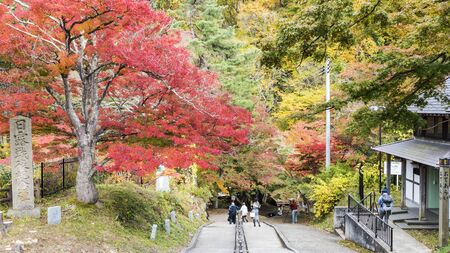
(121, 225)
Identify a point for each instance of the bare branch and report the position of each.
(108, 84)
(25, 5)
(54, 95)
(88, 18)
(34, 36)
(174, 91)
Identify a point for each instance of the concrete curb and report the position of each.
(283, 239)
(195, 238)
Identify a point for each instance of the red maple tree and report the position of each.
(308, 141)
(112, 75)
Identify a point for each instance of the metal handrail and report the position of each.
(370, 220)
(240, 242)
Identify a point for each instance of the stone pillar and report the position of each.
(173, 216)
(403, 199)
(388, 172)
(167, 225)
(153, 233)
(22, 168)
(423, 192)
(443, 201)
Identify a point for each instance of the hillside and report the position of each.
(122, 223)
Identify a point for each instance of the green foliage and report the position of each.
(371, 178)
(214, 46)
(202, 192)
(5, 176)
(138, 207)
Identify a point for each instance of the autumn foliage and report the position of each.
(308, 141)
(111, 78)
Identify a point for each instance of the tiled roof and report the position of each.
(422, 151)
(434, 106)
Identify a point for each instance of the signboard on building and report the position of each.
(396, 168)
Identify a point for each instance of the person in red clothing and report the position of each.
(294, 210)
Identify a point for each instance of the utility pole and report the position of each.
(328, 120)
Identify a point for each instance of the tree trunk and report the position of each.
(86, 190)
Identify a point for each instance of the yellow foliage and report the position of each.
(327, 194)
(296, 103)
(222, 187)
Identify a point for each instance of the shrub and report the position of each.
(138, 207)
(5, 176)
(327, 194)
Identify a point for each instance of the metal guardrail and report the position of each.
(370, 220)
(240, 242)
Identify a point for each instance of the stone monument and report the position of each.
(22, 169)
(153, 233)
(54, 215)
(173, 216)
(162, 182)
(167, 226)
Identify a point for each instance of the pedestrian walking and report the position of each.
(244, 212)
(294, 211)
(255, 212)
(232, 211)
(385, 204)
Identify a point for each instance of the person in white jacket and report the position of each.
(244, 212)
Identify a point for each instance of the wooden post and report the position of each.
(423, 192)
(443, 202)
(388, 173)
(403, 200)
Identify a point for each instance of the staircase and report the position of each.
(408, 219)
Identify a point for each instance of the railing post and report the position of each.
(392, 237)
(42, 180)
(348, 203)
(357, 208)
(376, 226)
(63, 175)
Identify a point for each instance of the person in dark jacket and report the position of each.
(232, 211)
(385, 204)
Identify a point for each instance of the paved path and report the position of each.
(403, 242)
(219, 236)
(307, 239)
(263, 239)
(216, 237)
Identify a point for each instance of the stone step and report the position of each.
(403, 217)
(399, 211)
(405, 226)
(340, 233)
(418, 222)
